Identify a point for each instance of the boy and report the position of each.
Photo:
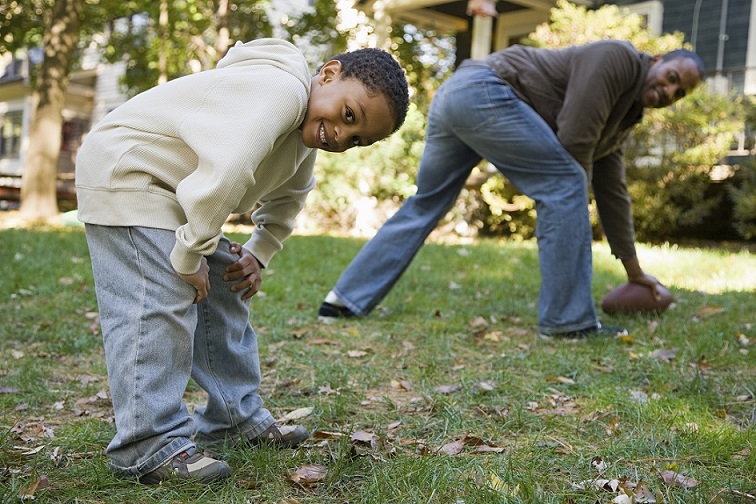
(156, 179)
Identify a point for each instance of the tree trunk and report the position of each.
(163, 32)
(39, 179)
(221, 41)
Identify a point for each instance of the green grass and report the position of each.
(678, 394)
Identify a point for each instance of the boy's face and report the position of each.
(342, 114)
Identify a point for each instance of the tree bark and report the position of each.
(39, 179)
(221, 41)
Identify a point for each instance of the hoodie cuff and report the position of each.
(183, 261)
(261, 249)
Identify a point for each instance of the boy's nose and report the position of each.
(341, 136)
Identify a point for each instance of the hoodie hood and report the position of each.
(267, 51)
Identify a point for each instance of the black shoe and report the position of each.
(329, 312)
(597, 330)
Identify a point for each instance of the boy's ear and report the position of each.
(330, 71)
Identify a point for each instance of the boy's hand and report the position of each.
(200, 280)
(247, 270)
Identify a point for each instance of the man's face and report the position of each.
(668, 81)
(342, 113)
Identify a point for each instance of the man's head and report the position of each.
(357, 98)
(670, 77)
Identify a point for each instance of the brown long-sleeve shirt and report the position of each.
(590, 96)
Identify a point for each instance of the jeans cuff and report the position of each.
(160, 458)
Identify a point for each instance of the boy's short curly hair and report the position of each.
(380, 72)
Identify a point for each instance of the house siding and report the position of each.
(679, 15)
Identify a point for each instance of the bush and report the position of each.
(672, 159)
(743, 197)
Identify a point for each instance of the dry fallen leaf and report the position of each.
(598, 463)
(296, 414)
(327, 435)
(365, 438)
(638, 396)
(401, 385)
(664, 355)
(447, 389)
(626, 338)
(478, 322)
(486, 386)
(453, 448)
(38, 484)
(308, 474)
(561, 379)
(677, 479)
(709, 310)
(608, 485)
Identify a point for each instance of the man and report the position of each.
(551, 121)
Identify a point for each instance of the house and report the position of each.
(92, 92)
(723, 32)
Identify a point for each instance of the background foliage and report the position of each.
(671, 156)
(678, 189)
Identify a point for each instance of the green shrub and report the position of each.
(743, 198)
(672, 156)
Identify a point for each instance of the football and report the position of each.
(635, 298)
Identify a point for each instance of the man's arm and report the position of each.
(616, 216)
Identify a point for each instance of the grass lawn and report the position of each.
(443, 395)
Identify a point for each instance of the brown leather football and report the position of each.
(635, 298)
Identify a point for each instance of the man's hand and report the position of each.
(636, 275)
(247, 270)
(200, 280)
(481, 8)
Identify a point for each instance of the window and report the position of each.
(72, 137)
(10, 135)
(652, 13)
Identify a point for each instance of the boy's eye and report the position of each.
(349, 115)
(355, 141)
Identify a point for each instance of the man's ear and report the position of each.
(330, 71)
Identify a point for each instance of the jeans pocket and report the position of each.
(478, 105)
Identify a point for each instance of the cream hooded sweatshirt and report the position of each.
(186, 154)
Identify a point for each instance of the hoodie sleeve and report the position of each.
(232, 132)
(599, 75)
(274, 219)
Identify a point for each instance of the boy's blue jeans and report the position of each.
(475, 115)
(155, 339)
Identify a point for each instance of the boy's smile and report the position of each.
(343, 113)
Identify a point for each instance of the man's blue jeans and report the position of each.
(475, 115)
(155, 339)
